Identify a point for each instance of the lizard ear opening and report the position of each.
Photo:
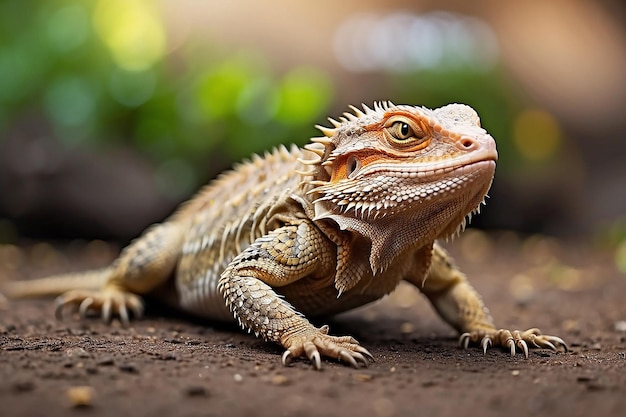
(352, 166)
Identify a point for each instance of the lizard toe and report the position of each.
(316, 343)
(514, 341)
(108, 303)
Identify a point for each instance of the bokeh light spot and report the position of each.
(537, 135)
(133, 32)
(132, 88)
(68, 27)
(405, 42)
(218, 89)
(258, 102)
(12, 63)
(620, 257)
(304, 93)
(70, 101)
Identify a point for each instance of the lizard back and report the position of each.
(227, 216)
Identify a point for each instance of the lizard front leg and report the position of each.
(280, 258)
(459, 304)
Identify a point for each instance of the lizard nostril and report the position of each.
(467, 144)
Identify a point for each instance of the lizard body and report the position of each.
(316, 231)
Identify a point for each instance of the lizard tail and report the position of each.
(55, 285)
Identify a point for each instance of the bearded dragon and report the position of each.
(315, 231)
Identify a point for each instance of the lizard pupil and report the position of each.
(405, 130)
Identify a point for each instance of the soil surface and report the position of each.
(168, 364)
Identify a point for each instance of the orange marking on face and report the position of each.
(343, 166)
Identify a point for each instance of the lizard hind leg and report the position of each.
(109, 301)
(144, 265)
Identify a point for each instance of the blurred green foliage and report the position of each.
(102, 74)
(59, 61)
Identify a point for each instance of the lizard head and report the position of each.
(401, 176)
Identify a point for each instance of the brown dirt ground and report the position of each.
(175, 366)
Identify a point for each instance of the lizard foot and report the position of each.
(108, 302)
(512, 340)
(315, 343)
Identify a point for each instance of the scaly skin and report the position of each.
(318, 231)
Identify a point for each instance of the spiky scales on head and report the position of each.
(396, 174)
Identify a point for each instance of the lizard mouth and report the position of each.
(478, 159)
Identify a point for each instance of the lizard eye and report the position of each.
(404, 134)
(403, 130)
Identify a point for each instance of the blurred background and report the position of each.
(114, 111)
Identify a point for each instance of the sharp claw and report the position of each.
(522, 345)
(360, 358)
(316, 360)
(464, 340)
(486, 343)
(84, 307)
(510, 343)
(58, 308)
(546, 343)
(286, 358)
(106, 311)
(123, 312)
(365, 352)
(137, 310)
(559, 341)
(345, 356)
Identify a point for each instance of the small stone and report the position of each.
(280, 380)
(594, 386)
(128, 367)
(406, 328)
(237, 377)
(105, 362)
(383, 407)
(77, 353)
(81, 396)
(196, 391)
(515, 372)
(571, 326)
(522, 289)
(620, 326)
(23, 386)
(363, 377)
(596, 346)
